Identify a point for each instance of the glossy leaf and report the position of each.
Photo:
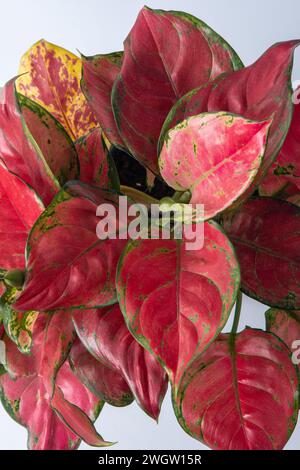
(265, 233)
(26, 389)
(286, 168)
(55, 144)
(64, 254)
(241, 394)
(50, 76)
(286, 325)
(96, 165)
(176, 301)
(98, 75)
(19, 150)
(216, 171)
(77, 407)
(104, 382)
(18, 326)
(105, 335)
(19, 208)
(259, 92)
(166, 54)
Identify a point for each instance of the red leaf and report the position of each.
(98, 75)
(68, 266)
(166, 55)
(55, 144)
(19, 208)
(95, 165)
(286, 325)
(27, 388)
(105, 335)
(77, 406)
(18, 149)
(258, 92)
(216, 171)
(286, 168)
(240, 394)
(176, 301)
(265, 233)
(104, 382)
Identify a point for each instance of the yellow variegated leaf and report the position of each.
(51, 77)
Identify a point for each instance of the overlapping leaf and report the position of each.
(105, 335)
(241, 394)
(174, 300)
(104, 382)
(65, 254)
(51, 77)
(258, 92)
(286, 325)
(216, 171)
(286, 168)
(166, 55)
(18, 326)
(96, 166)
(19, 150)
(265, 233)
(55, 144)
(19, 207)
(98, 75)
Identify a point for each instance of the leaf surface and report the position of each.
(105, 335)
(265, 233)
(217, 171)
(174, 300)
(166, 54)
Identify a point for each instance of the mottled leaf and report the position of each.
(286, 325)
(18, 326)
(98, 75)
(175, 301)
(166, 54)
(18, 149)
(258, 92)
(68, 266)
(51, 77)
(105, 335)
(241, 394)
(96, 165)
(216, 171)
(104, 382)
(55, 144)
(265, 233)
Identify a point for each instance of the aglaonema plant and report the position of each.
(88, 319)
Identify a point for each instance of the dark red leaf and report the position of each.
(240, 394)
(258, 92)
(105, 335)
(265, 233)
(176, 301)
(216, 171)
(19, 150)
(166, 54)
(98, 75)
(104, 382)
(286, 325)
(19, 208)
(68, 265)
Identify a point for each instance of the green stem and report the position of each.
(2, 274)
(237, 314)
(138, 196)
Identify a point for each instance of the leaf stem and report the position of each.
(237, 313)
(138, 196)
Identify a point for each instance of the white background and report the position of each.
(100, 26)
